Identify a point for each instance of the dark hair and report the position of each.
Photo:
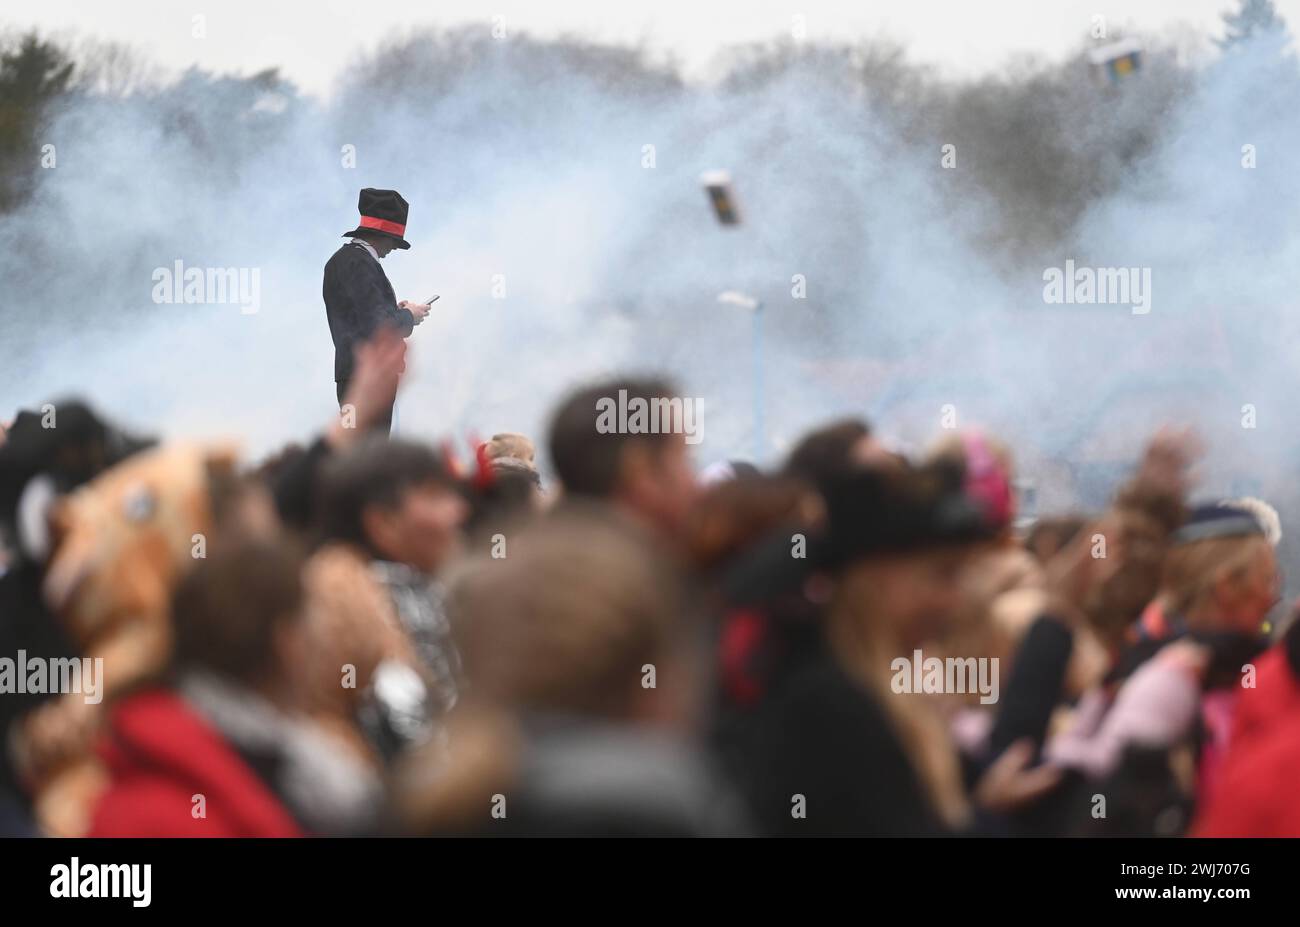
(733, 515)
(587, 461)
(506, 500)
(377, 472)
(79, 449)
(225, 611)
(827, 452)
(280, 462)
(1049, 536)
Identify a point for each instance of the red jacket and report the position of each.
(1255, 795)
(160, 755)
(1274, 698)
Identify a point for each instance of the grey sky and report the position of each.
(310, 41)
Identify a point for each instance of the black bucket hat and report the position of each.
(872, 512)
(383, 212)
(869, 513)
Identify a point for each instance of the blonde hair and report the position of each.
(865, 648)
(1191, 570)
(511, 445)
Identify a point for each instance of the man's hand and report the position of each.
(417, 310)
(1012, 782)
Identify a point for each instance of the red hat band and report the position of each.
(383, 225)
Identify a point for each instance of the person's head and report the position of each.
(732, 515)
(1221, 573)
(394, 499)
(829, 451)
(49, 452)
(648, 473)
(512, 494)
(984, 469)
(510, 446)
(578, 620)
(119, 545)
(899, 543)
(237, 613)
(383, 220)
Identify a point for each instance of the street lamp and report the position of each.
(754, 307)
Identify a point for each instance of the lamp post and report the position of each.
(754, 307)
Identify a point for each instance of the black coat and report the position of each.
(358, 299)
(824, 737)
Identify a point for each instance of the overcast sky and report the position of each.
(310, 41)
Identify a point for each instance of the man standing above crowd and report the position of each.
(358, 297)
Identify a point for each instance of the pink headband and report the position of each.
(986, 482)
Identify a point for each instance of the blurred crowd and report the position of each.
(371, 635)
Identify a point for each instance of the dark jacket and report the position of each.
(572, 776)
(825, 738)
(358, 299)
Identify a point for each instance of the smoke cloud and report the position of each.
(564, 246)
